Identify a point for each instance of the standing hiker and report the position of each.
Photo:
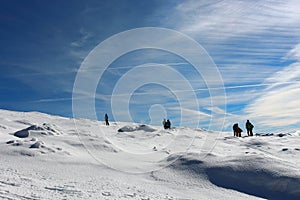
(106, 119)
(164, 123)
(249, 128)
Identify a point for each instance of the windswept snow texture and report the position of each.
(49, 157)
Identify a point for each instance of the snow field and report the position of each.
(56, 158)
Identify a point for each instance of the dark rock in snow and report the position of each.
(15, 142)
(45, 129)
(145, 128)
(126, 129)
(36, 145)
(10, 142)
(138, 128)
(24, 133)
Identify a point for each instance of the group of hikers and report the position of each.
(166, 124)
(237, 131)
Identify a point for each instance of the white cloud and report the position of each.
(192, 113)
(85, 37)
(278, 107)
(241, 36)
(250, 41)
(228, 18)
(294, 53)
(238, 34)
(279, 103)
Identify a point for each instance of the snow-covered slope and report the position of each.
(51, 157)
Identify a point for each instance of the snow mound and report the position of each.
(190, 163)
(296, 133)
(239, 175)
(126, 129)
(44, 129)
(141, 127)
(260, 183)
(31, 147)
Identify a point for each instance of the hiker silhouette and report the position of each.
(237, 130)
(249, 127)
(106, 119)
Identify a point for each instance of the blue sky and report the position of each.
(255, 46)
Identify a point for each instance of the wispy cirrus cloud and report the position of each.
(279, 104)
(294, 53)
(231, 18)
(251, 44)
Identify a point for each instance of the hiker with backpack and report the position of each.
(237, 131)
(168, 124)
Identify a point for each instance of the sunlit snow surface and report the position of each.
(59, 160)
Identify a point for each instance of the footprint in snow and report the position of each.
(107, 194)
(130, 195)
